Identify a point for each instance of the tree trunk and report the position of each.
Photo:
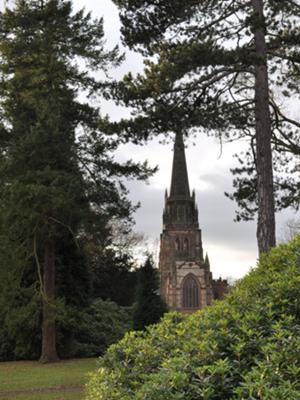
(49, 353)
(264, 166)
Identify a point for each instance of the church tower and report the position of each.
(186, 280)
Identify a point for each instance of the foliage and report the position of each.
(58, 173)
(81, 284)
(114, 278)
(199, 75)
(149, 307)
(82, 332)
(88, 332)
(19, 305)
(246, 346)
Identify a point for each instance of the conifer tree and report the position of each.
(58, 175)
(149, 306)
(210, 72)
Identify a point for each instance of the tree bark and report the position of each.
(266, 238)
(49, 353)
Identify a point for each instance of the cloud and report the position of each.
(231, 246)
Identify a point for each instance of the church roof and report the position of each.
(180, 181)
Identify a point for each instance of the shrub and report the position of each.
(245, 347)
(83, 332)
(88, 332)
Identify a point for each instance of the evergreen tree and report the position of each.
(210, 71)
(58, 175)
(266, 235)
(114, 277)
(112, 265)
(149, 306)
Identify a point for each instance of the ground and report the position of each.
(29, 380)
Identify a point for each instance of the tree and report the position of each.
(266, 235)
(210, 71)
(149, 306)
(113, 276)
(58, 175)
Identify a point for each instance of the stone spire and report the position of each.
(186, 282)
(206, 261)
(180, 180)
(180, 207)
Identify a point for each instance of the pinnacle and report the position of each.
(180, 180)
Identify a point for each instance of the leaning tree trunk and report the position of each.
(49, 353)
(264, 166)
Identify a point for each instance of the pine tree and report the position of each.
(58, 175)
(266, 235)
(149, 306)
(210, 72)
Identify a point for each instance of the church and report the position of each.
(186, 283)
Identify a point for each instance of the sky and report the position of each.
(231, 246)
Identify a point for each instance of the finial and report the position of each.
(206, 261)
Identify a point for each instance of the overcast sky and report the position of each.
(231, 246)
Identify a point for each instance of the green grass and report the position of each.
(46, 396)
(27, 380)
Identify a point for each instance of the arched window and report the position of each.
(177, 244)
(186, 244)
(190, 293)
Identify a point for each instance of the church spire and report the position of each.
(180, 180)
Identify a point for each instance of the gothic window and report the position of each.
(190, 293)
(177, 244)
(186, 244)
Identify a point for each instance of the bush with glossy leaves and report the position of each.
(245, 347)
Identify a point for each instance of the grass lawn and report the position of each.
(28, 380)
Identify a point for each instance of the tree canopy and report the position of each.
(201, 64)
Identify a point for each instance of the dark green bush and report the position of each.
(88, 332)
(20, 336)
(245, 347)
(83, 332)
